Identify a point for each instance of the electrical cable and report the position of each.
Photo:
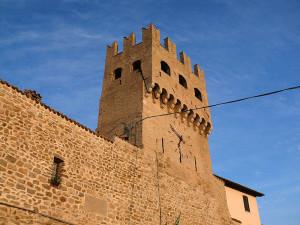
(222, 103)
(144, 79)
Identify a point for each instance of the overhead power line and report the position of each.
(222, 103)
(133, 125)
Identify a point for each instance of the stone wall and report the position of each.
(127, 102)
(102, 182)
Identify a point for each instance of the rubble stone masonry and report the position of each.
(54, 170)
(102, 182)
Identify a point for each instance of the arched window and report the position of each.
(118, 73)
(198, 94)
(165, 67)
(137, 66)
(182, 81)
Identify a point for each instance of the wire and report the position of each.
(144, 79)
(125, 125)
(221, 103)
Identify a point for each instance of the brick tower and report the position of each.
(148, 79)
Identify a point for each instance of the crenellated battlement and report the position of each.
(112, 49)
(129, 41)
(150, 35)
(170, 46)
(151, 38)
(148, 162)
(149, 79)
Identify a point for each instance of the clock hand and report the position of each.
(180, 153)
(179, 143)
(177, 134)
(182, 139)
(172, 128)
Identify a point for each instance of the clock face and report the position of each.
(180, 142)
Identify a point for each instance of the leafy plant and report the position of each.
(177, 220)
(55, 180)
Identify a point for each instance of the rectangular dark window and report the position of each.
(56, 171)
(118, 73)
(246, 203)
(136, 66)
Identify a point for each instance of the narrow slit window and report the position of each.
(163, 145)
(165, 67)
(137, 66)
(182, 81)
(118, 73)
(198, 94)
(56, 171)
(246, 203)
(195, 164)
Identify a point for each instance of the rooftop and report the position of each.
(239, 187)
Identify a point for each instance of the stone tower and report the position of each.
(148, 79)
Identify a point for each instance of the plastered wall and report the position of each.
(237, 210)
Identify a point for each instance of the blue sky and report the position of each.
(244, 46)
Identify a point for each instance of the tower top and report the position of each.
(147, 79)
(151, 36)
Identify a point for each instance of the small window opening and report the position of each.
(198, 94)
(180, 156)
(246, 203)
(137, 66)
(118, 73)
(182, 81)
(195, 164)
(165, 67)
(56, 171)
(163, 145)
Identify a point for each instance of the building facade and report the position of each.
(241, 202)
(136, 168)
(145, 80)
